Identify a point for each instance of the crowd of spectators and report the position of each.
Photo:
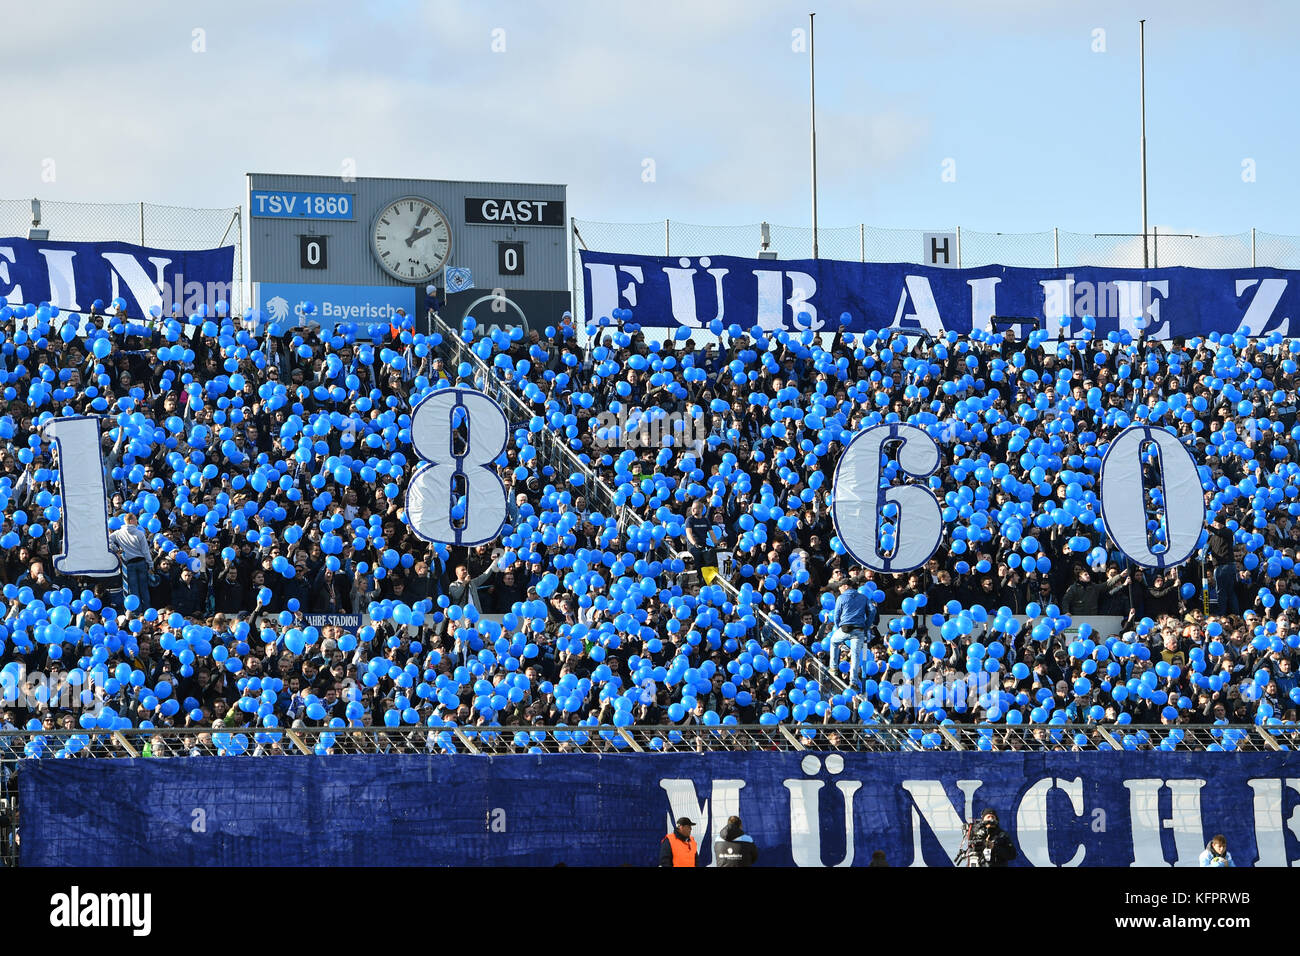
(256, 477)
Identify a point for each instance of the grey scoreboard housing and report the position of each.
(316, 231)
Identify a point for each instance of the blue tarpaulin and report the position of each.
(73, 275)
(826, 295)
(1090, 809)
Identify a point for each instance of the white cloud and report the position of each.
(586, 90)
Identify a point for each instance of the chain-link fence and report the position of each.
(862, 243)
(145, 224)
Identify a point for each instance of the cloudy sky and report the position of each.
(1029, 106)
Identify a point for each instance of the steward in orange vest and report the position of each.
(678, 848)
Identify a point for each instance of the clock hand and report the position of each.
(417, 234)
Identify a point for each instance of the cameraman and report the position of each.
(989, 844)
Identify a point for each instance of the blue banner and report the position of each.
(822, 809)
(73, 275)
(360, 305)
(694, 292)
(282, 204)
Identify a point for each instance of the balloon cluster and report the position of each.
(266, 466)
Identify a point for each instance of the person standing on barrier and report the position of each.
(849, 621)
(1223, 551)
(678, 848)
(735, 847)
(132, 545)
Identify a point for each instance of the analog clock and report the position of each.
(411, 239)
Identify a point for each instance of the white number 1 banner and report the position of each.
(84, 545)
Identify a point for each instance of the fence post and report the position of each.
(862, 240)
(791, 739)
(952, 740)
(1252, 247)
(237, 280)
(142, 224)
(959, 247)
(1155, 247)
(666, 247)
(1056, 246)
(573, 276)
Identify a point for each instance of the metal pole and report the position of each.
(1056, 246)
(239, 242)
(666, 247)
(237, 278)
(862, 240)
(959, 247)
(1252, 247)
(142, 224)
(812, 100)
(573, 279)
(1155, 247)
(1142, 84)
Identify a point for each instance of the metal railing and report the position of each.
(17, 746)
(599, 493)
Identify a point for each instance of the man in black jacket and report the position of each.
(1114, 600)
(1222, 548)
(736, 847)
(189, 593)
(1163, 596)
(989, 845)
(324, 592)
(1082, 597)
(506, 593)
(160, 587)
(231, 593)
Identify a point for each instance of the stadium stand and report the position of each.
(651, 575)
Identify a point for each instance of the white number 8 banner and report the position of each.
(429, 506)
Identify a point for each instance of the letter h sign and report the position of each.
(940, 249)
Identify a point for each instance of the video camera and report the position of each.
(977, 848)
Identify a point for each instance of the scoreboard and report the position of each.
(360, 249)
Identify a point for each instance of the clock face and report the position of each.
(411, 239)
